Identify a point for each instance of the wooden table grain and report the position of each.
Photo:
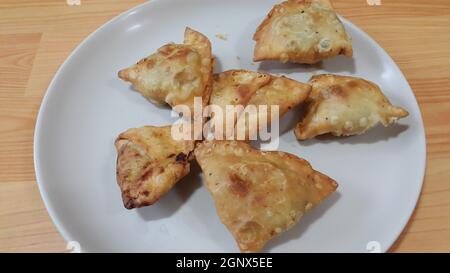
(36, 36)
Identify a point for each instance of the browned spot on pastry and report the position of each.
(147, 173)
(127, 201)
(179, 54)
(250, 227)
(238, 186)
(146, 193)
(181, 157)
(337, 91)
(243, 91)
(121, 149)
(157, 134)
(352, 84)
(316, 17)
(248, 234)
(166, 50)
(150, 64)
(260, 200)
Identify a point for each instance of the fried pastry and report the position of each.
(258, 195)
(236, 87)
(176, 73)
(233, 87)
(280, 91)
(345, 106)
(149, 163)
(245, 88)
(301, 31)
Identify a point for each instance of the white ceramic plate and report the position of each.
(87, 106)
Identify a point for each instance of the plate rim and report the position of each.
(50, 90)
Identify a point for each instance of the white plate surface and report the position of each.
(87, 106)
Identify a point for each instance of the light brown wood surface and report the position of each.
(36, 36)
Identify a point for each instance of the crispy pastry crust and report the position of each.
(243, 87)
(149, 163)
(176, 73)
(259, 195)
(301, 31)
(345, 106)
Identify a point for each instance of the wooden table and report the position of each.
(36, 36)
